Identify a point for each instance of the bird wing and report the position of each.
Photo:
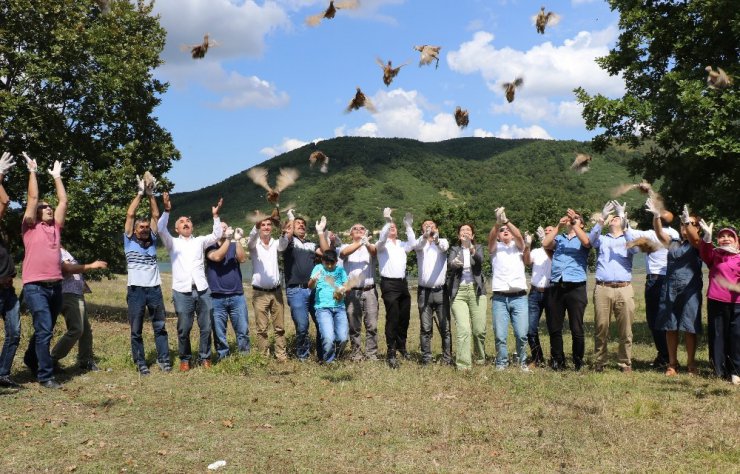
(552, 19)
(581, 162)
(257, 216)
(212, 43)
(506, 85)
(346, 4)
(380, 62)
(258, 175)
(286, 178)
(314, 20)
(644, 244)
(518, 81)
(369, 106)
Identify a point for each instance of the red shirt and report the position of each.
(43, 259)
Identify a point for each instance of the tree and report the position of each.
(690, 133)
(76, 85)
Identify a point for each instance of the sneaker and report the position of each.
(184, 365)
(735, 380)
(165, 366)
(7, 382)
(525, 368)
(144, 370)
(89, 366)
(51, 383)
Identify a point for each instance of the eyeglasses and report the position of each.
(357, 228)
(41, 207)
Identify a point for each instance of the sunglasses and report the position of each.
(357, 228)
(41, 207)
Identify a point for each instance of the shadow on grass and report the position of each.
(338, 377)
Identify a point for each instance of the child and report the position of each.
(328, 279)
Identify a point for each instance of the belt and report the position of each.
(567, 284)
(510, 293)
(432, 289)
(392, 279)
(266, 290)
(538, 289)
(47, 283)
(614, 284)
(364, 288)
(298, 285)
(654, 276)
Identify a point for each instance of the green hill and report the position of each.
(453, 180)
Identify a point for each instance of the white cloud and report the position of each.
(538, 109)
(480, 133)
(513, 131)
(401, 114)
(288, 144)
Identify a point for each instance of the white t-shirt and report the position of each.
(541, 267)
(508, 268)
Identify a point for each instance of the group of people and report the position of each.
(334, 285)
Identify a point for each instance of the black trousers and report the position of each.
(397, 301)
(653, 290)
(433, 303)
(570, 297)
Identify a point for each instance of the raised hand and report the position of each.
(56, 170)
(215, 209)
(619, 208)
(528, 239)
(685, 215)
(707, 229)
(238, 233)
(387, 215)
(608, 208)
(501, 216)
(291, 214)
(30, 163)
(408, 219)
(229, 233)
(652, 207)
(166, 201)
(321, 225)
(151, 187)
(6, 162)
(540, 233)
(140, 185)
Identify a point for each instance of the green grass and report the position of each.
(260, 415)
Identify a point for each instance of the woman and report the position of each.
(723, 298)
(467, 293)
(680, 302)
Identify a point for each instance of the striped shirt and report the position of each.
(141, 261)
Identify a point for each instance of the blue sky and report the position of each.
(275, 83)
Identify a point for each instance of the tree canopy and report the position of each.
(690, 132)
(77, 85)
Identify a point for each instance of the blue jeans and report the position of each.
(186, 305)
(510, 309)
(10, 310)
(537, 302)
(44, 302)
(334, 331)
(234, 306)
(300, 301)
(139, 299)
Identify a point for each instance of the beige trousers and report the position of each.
(269, 307)
(619, 302)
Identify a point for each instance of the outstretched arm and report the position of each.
(29, 217)
(61, 211)
(70, 268)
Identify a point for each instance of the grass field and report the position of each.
(260, 415)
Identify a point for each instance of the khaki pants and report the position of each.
(619, 302)
(268, 307)
(78, 329)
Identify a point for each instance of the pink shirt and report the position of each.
(43, 259)
(722, 264)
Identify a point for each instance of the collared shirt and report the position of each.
(360, 263)
(432, 262)
(187, 255)
(42, 261)
(569, 260)
(141, 261)
(613, 258)
(541, 267)
(655, 262)
(265, 270)
(508, 268)
(299, 258)
(73, 282)
(392, 253)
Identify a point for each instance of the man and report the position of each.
(42, 270)
(74, 311)
(541, 262)
(509, 285)
(9, 306)
(613, 293)
(393, 285)
(267, 299)
(190, 291)
(567, 287)
(362, 301)
(299, 258)
(144, 289)
(432, 295)
(227, 293)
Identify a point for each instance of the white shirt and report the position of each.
(187, 255)
(265, 269)
(508, 268)
(360, 263)
(467, 273)
(655, 262)
(541, 267)
(392, 253)
(432, 262)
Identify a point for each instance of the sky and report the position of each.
(274, 83)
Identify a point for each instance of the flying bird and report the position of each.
(285, 179)
(198, 51)
(510, 88)
(329, 13)
(428, 54)
(542, 19)
(581, 162)
(644, 244)
(359, 100)
(644, 187)
(318, 157)
(718, 79)
(257, 216)
(461, 117)
(389, 72)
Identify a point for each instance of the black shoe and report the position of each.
(165, 366)
(51, 383)
(405, 355)
(577, 366)
(557, 366)
(392, 362)
(31, 363)
(89, 366)
(659, 363)
(144, 370)
(426, 363)
(7, 382)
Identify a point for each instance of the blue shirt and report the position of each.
(325, 289)
(224, 277)
(613, 258)
(569, 260)
(141, 261)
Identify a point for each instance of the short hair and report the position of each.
(140, 220)
(300, 219)
(428, 220)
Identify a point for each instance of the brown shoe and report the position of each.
(184, 366)
(207, 364)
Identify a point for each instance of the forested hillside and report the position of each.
(460, 179)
